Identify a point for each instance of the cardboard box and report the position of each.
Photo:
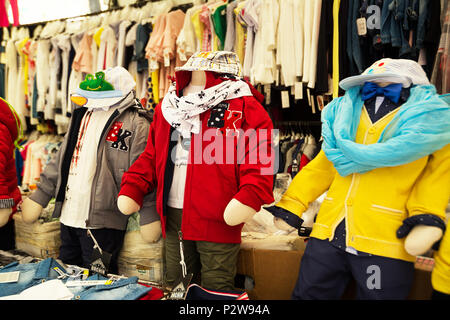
(274, 272)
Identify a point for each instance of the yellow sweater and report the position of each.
(374, 204)
(440, 277)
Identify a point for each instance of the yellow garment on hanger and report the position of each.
(240, 33)
(198, 26)
(24, 61)
(336, 5)
(155, 85)
(97, 36)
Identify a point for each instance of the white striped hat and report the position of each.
(217, 61)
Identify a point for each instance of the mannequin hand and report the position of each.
(237, 213)
(4, 216)
(282, 225)
(127, 205)
(31, 210)
(421, 238)
(151, 232)
(18, 216)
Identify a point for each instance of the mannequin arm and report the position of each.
(236, 213)
(31, 210)
(140, 178)
(127, 205)
(151, 232)
(4, 216)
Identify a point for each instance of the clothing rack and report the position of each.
(301, 123)
(137, 4)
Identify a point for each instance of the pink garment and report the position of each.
(4, 21)
(174, 24)
(154, 48)
(204, 17)
(83, 58)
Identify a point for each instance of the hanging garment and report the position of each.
(4, 20)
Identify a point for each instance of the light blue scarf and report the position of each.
(420, 127)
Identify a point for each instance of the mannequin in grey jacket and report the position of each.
(117, 149)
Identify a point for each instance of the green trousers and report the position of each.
(213, 263)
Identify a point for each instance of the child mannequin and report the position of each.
(107, 133)
(235, 212)
(202, 204)
(383, 184)
(10, 134)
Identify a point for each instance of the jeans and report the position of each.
(325, 272)
(30, 274)
(353, 44)
(423, 13)
(123, 289)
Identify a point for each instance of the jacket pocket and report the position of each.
(383, 209)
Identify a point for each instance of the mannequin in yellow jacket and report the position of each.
(374, 204)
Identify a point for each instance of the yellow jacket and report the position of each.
(440, 277)
(374, 204)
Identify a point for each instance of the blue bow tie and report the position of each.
(392, 91)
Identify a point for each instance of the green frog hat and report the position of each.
(104, 89)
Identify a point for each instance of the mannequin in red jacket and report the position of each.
(204, 107)
(10, 196)
(235, 213)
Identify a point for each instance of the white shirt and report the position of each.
(75, 209)
(176, 192)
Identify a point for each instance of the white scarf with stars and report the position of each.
(183, 113)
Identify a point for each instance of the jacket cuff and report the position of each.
(250, 198)
(41, 197)
(290, 218)
(133, 192)
(6, 203)
(420, 219)
(291, 205)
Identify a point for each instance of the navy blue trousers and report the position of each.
(325, 272)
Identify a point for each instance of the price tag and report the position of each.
(320, 103)
(309, 96)
(361, 26)
(298, 90)
(7, 277)
(285, 99)
(313, 104)
(87, 283)
(166, 60)
(182, 55)
(267, 93)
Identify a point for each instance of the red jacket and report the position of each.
(9, 131)
(209, 187)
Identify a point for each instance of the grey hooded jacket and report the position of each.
(113, 159)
